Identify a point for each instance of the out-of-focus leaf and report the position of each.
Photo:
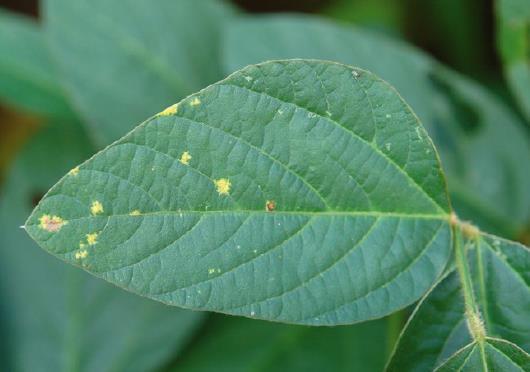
(27, 76)
(241, 345)
(494, 355)
(57, 318)
(513, 18)
(123, 60)
(489, 181)
(438, 328)
(481, 142)
(384, 15)
(298, 191)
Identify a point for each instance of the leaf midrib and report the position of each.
(438, 217)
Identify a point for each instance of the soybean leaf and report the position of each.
(438, 327)
(435, 331)
(58, 318)
(278, 347)
(27, 76)
(513, 19)
(493, 355)
(480, 141)
(296, 191)
(123, 60)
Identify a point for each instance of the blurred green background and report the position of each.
(70, 73)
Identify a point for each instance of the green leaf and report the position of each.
(296, 191)
(438, 328)
(463, 119)
(490, 184)
(513, 39)
(58, 318)
(123, 60)
(27, 76)
(241, 345)
(497, 355)
(435, 331)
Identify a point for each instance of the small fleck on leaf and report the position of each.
(362, 232)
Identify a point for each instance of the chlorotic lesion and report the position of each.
(83, 253)
(96, 208)
(171, 110)
(92, 238)
(195, 101)
(185, 158)
(51, 223)
(270, 205)
(136, 212)
(74, 171)
(223, 186)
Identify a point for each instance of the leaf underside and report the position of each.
(296, 191)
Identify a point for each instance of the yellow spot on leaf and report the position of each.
(223, 186)
(195, 102)
(136, 212)
(74, 172)
(211, 271)
(171, 110)
(81, 254)
(96, 208)
(51, 223)
(92, 239)
(185, 158)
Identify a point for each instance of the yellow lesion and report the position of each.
(51, 223)
(195, 102)
(136, 212)
(74, 171)
(81, 254)
(185, 158)
(171, 110)
(96, 207)
(92, 238)
(223, 186)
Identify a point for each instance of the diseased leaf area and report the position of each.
(179, 209)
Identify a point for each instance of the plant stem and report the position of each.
(472, 312)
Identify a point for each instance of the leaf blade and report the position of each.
(254, 261)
